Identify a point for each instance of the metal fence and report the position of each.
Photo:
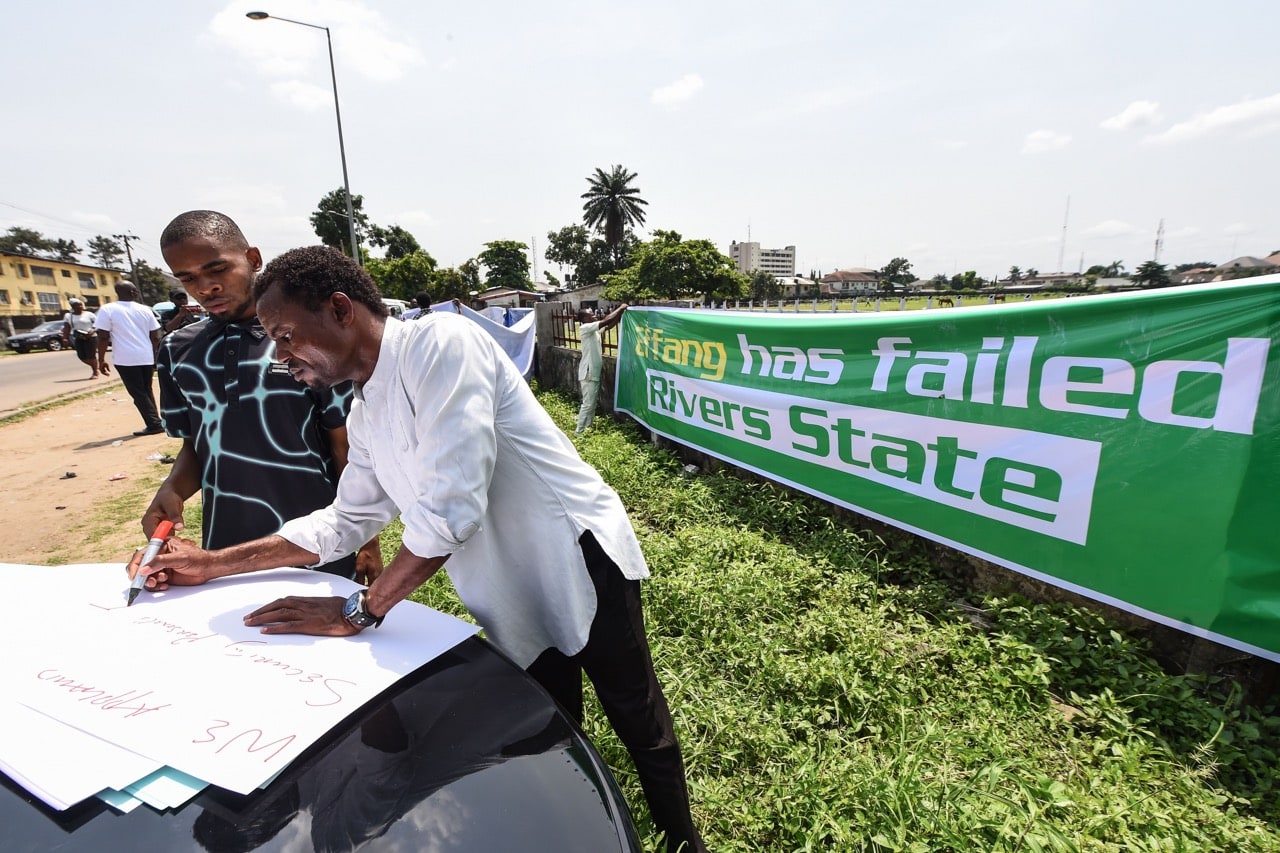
(564, 331)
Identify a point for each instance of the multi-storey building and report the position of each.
(749, 257)
(33, 290)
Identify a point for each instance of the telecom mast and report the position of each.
(1159, 242)
(1062, 248)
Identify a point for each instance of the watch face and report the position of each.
(351, 609)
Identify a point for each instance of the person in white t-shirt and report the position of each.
(133, 333)
(592, 362)
(79, 332)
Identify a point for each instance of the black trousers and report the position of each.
(617, 661)
(137, 381)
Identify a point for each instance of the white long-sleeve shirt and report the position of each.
(447, 434)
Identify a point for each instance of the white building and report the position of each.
(749, 257)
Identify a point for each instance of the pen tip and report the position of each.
(133, 594)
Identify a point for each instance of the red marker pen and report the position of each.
(163, 529)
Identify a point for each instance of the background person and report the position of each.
(133, 333)
(592, 363)
(78, 331)
(260, 446)
(446, 434)
(181, 314)
(422, 306)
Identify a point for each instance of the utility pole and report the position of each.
(128, 250)
(1159, 242)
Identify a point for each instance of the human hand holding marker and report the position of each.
(137, 578)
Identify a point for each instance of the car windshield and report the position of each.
(51, 326)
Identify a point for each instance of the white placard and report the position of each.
(179, 678)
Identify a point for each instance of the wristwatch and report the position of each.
(356, 611)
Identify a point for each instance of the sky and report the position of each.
(978, 135)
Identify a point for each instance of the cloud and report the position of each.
(303, 95)
(1137, 114)
(96, 220)
(1039, 141)
(1110, 228)
(1237, 228)
(678, 92)
(295, 57)
(1252, 116)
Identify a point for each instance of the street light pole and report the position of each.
(342, 149)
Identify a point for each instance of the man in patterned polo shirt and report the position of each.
(262, 447)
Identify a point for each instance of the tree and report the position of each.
(763, 285)
(569, 246)
(398, 242)
(940, 280)
(967, 280)
(404, 277)
(613, 206)
(897, 271)
(1015, 274)
(1097, 271)
(330, 220)
(105, 250)
(470, 272)
(507, 264)
(1115, 269)
(669, 267)
(65, 250)
(24, 241)
(450, 283)
(1032, 272)
(1151, 274)
(153, 285)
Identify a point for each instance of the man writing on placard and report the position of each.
(260, 446)
(446, 434)
(132, 332)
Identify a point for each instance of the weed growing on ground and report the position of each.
(835, 690)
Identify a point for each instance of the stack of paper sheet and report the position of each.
(151, 702)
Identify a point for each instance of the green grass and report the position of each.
(835, 691)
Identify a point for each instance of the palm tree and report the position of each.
(1115, 269)
(613, 205)
(1015, 274)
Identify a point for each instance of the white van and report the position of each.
(397, 307)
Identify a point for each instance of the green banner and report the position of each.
(1121, 446)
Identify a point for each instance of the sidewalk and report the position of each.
(51, 519)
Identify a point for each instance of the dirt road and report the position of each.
(47, 518)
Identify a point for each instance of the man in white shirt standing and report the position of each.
(592, 362)
(133, 333)
(445, 433)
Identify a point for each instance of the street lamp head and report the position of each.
(256, 16)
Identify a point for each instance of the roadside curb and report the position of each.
(8, 415)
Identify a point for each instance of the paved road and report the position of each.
(37, 376)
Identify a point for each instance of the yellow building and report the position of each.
(33, 290)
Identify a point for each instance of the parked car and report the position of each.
(467, 754)
(45, 336)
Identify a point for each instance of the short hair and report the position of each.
(312, 274)
(423, 299)
(176, 294)
(203, 223)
